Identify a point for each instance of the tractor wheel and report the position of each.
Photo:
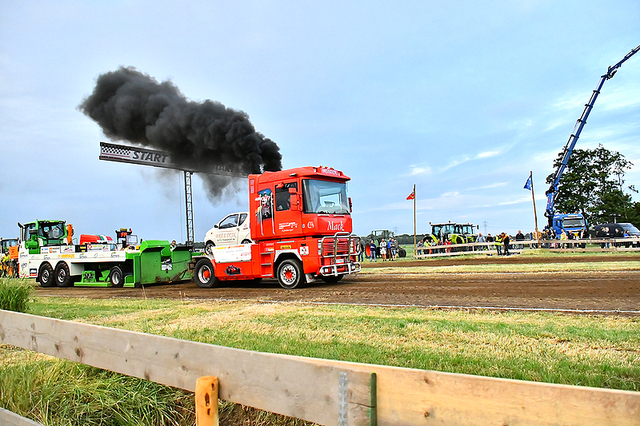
(204, 275)
(62, 275)
(45, 275)
(116, 277)
(290, 274)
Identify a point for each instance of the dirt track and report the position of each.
(573, 291)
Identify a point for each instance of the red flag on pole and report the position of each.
(412, 195)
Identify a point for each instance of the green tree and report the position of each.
(593, 184)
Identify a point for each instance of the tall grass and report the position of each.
(14, 294)
(55, 392)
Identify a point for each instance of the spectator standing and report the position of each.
(390, 252)
(505, 241)
(373, 249)
(383, 249)
(481, 239)
(498, 243)
(520, 237)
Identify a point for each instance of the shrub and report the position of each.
(14, 294)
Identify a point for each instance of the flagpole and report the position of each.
(535, 214)
(414, 220)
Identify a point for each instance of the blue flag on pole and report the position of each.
(528, 184)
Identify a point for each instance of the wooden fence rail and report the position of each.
(323, 391)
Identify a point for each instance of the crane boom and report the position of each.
(552, 192)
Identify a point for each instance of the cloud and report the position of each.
(418, 170)
(493, 185)
(488, 154)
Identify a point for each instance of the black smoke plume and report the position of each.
(134, 107)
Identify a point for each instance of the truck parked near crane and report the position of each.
(575, 223)
(300, 222)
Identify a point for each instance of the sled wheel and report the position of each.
(116, 277)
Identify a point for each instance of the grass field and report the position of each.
(546, 347)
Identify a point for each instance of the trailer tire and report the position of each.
(290, 274)
(62, 275)
(116, 277)
(204, 275)
(45, 275)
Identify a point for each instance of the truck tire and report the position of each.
(290, 274)
(204, 274)
(45, 275)
(331, 279)
(116, 277)
(208, 247)
(62, 275)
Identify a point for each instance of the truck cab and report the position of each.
(570, 223)
(40, 233)
(307, 201)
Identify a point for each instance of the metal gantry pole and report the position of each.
(188, 197)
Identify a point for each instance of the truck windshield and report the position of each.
(321, 196)
(441, 230)
(573, 223)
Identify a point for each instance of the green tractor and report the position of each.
(455, 233)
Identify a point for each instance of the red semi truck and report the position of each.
(300, 222)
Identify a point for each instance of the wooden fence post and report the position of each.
(207, 401)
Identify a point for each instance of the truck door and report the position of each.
(287, 220)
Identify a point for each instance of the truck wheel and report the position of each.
(246, 242)
(204, 275)
(331, 279)
(116, 277)
(208, 247)
(45, 275)
(62, 275)
(290, 274)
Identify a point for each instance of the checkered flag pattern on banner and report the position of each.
(115, 151)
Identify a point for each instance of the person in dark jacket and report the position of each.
(505, 242)
(520, 237)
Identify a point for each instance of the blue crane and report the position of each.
(552, 192)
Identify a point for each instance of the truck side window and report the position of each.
(283, 197)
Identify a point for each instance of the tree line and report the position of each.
(593, 184)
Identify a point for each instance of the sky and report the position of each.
(462, 99)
